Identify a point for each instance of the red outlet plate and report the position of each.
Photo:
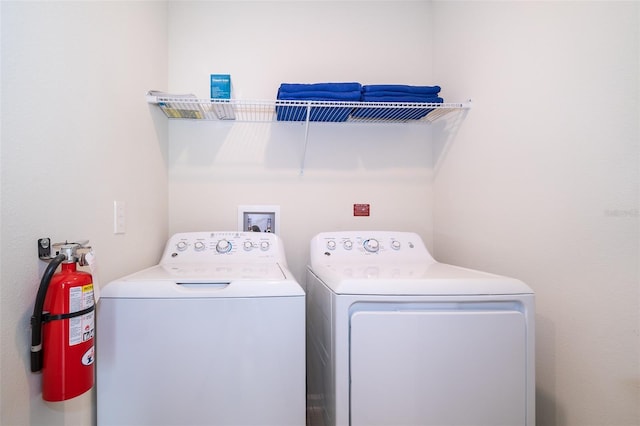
(361, 209)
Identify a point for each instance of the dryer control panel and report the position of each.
(361, 246)
(230, 246)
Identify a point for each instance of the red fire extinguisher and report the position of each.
(62, 327)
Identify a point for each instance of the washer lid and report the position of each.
(211, 271)
(191, 280)
(415, 279)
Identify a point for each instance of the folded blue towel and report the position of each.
(299, 113)
(401, 88)
(394, 113)
(419, 99)
(332, 87)
(340, 92)
(391, 94)
(320, 95)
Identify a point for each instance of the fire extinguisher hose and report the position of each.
(36, 318)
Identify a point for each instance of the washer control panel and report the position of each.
(223, 246)
(356, 246)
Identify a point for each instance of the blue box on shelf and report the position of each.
(220, 86)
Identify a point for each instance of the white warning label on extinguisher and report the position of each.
(81, 328)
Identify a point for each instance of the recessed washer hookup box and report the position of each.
(220, 86)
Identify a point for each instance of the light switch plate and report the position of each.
(119, 217)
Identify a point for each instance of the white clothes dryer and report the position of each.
(396, 338)
(212, 335)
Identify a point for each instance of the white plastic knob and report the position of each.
(223, 246)
(371, 245)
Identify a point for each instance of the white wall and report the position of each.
(214, 167)
(76, 135)
(541, 183)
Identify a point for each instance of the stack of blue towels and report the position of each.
(397, 93)
(343, 92)
(355, 92)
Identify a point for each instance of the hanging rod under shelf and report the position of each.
(190, 107)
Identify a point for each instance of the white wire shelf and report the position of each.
(190, 107)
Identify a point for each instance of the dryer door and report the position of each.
(435, 364)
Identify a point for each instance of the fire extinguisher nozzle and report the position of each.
(36, 361)
(36, 345)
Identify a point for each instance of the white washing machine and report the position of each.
(212, 335)
(396, 338)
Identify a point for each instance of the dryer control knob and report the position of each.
(223, 246)
(371, 245)
(198, 246)
(348, 245)
(181, 245)
(248, 245)
(395, 244)
(331, 245)
(264, 245)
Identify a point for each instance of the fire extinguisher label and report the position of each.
(81, 328)
(88, 357)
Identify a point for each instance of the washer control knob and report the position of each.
(348, 245)
(223, 246)
(331, 245)
(371, 245)
(199, 246)
(395, 244)
(264, 245)
(248, 245)
(182, 245)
